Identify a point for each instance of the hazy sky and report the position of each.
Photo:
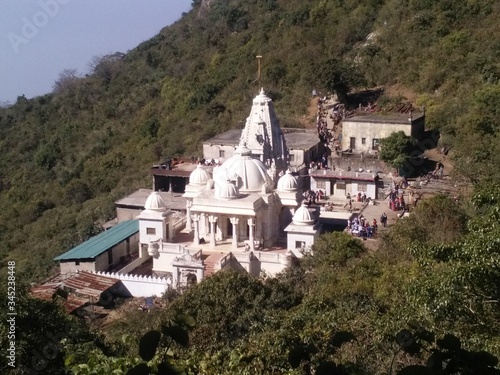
(41, 38)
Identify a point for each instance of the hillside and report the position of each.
(434, 278)
(67, 155)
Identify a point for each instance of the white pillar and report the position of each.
(212, 220)
(196, 219)
(251, 236)
(189, 204)
(234, 222)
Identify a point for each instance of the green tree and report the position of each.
(41, 327)
(396, 149)
(462, 279)
(338, 77)
(155, 354)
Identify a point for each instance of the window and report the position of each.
(292, 158)
(363, 141)
(300, 244)
(341, 185)
(222, 153)
(151, 231)
(77, 263)
(362, 187)
(320, 184)
(375, 144)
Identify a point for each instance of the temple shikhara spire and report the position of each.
(263, 135)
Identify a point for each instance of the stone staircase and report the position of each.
(210, 261)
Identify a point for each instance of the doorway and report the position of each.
(352, 143)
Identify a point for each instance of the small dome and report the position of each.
(228, 190)
(155, 202)
(199, 176)
(303, 216)
(288, 182)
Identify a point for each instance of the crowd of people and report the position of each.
(361, 227)
(313, 197)
(396, 200)
(328, 136)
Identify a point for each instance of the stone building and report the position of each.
(363, 132)
(339, 184)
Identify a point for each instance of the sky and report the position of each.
(41, 38)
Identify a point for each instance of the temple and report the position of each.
(245, 213)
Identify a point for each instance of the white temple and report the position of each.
(245, 214)
(236, 216)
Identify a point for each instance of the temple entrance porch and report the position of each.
(216, 230)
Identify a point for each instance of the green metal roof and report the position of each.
(97, 245)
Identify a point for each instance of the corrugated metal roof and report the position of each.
(86, 285)
(89, 284)
(74, 303)
(97, 245)
(45, 291)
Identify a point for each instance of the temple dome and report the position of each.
(199, 176)
(155, 202)
(288, 182)
(303, 216)
(228, 190)
(249, 174)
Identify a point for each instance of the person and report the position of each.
(362, 220)
(383, 219)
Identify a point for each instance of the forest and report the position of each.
(435, 279)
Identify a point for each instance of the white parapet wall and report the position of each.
(141, 286)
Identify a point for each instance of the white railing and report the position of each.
(268, 257)
(197, 255)
(225, 260)
(171, 247)
(179, 224)
(242, 257)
